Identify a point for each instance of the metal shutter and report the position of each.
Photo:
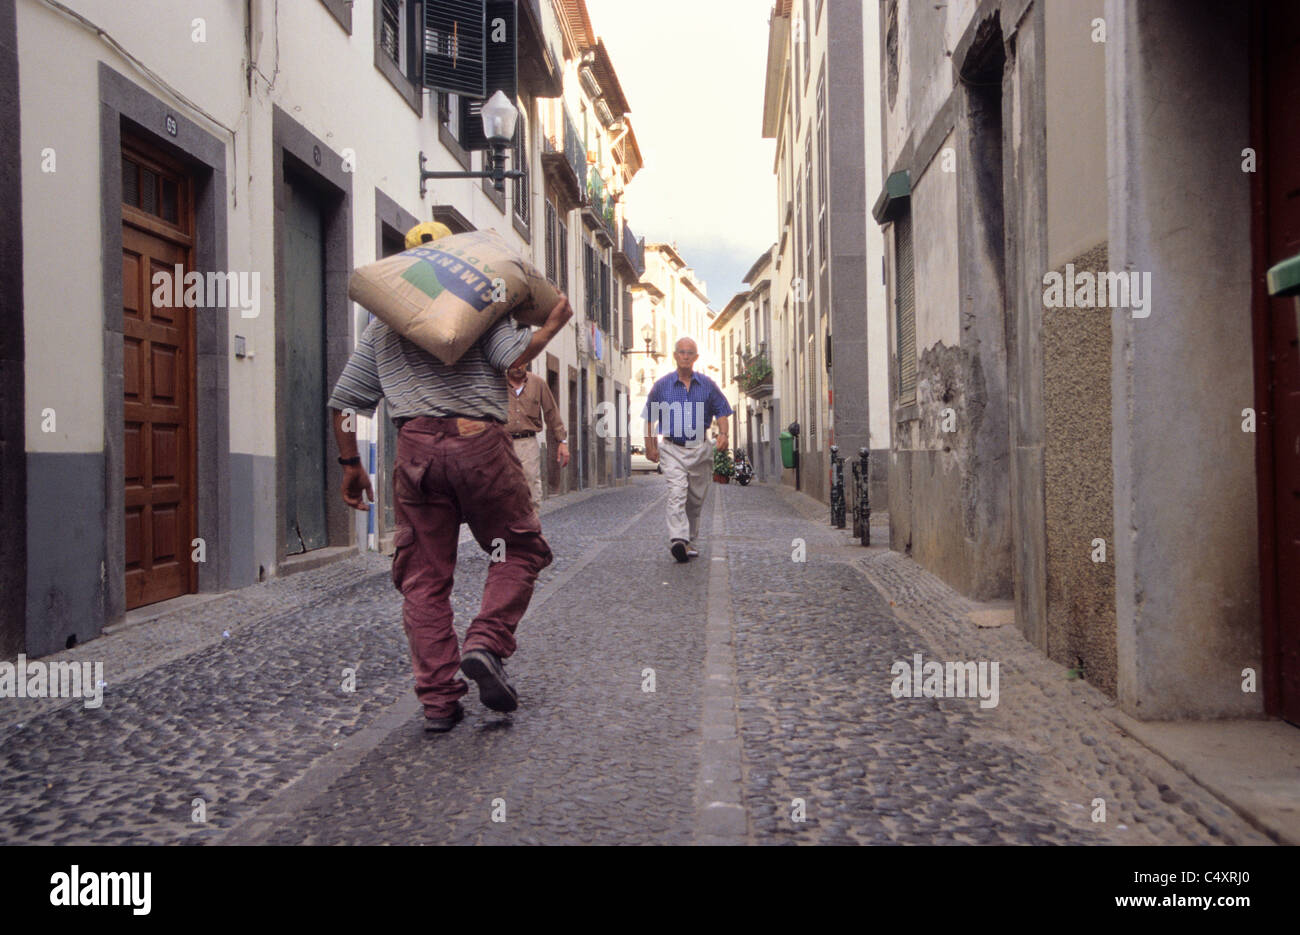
(905, 306)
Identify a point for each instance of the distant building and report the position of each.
(744, 329)
(827, 299)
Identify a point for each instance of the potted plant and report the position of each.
(723, 467)
(757, 372)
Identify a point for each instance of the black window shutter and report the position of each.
(905, 308)
(627, 319)
(502, 71)
(588, 281)
(562, 236)
(604, 296)
(550, 243)
(455, 46)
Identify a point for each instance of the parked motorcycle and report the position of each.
(744, 470)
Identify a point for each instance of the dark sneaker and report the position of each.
(494, 690)
(440, 725)
(678, 548)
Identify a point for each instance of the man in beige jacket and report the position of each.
(530, 402)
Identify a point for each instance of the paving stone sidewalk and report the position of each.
(916, 770)
(258, 727)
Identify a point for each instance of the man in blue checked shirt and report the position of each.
(681, 407)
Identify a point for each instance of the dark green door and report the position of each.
(304, 407)
(392, 244)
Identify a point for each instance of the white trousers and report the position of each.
(689, 472)
(529, 452)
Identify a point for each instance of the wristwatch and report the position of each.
(350, 461)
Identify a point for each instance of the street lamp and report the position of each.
(499, 118)
(647, 335)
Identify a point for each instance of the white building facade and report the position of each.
(270, 149)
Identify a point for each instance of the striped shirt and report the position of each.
(416, 383)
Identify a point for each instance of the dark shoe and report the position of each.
(494, 690)
(440, 725)
(678, 548)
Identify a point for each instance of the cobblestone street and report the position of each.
(771, 701)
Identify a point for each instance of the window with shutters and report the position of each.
(396, 45)
(455, 46)
(602, 270)
(799, 285)
(810, 390)
(589, 286)
(519, 160)
(628, 337)
(551, 221)
(808, 266)
(905, 308)
(823, 172)
(562, 255)
(500, 73)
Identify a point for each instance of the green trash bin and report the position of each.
(787, 449)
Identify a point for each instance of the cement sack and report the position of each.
(444, 294)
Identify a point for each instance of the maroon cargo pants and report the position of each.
(450, 471)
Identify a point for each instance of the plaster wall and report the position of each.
(934, 219)
(1186, 557)
(1079, 593)
(1076, 129)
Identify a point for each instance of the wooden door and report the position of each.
(304, 407)
(1279, 168)
(158, 367)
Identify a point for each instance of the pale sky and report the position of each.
(692, 71)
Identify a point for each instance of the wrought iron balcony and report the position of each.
(630, 256)
(598, 212)
(755, 376)
(565, 163)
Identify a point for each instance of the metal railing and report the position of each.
(600, 200)
(633, 249)
(571, 146)
(862, 502)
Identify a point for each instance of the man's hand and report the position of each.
(356, 482)
(652, 450)
(720, 444)
(542, 336)
(562, 454)
(561, 314)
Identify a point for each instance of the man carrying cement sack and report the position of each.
(455, 463)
